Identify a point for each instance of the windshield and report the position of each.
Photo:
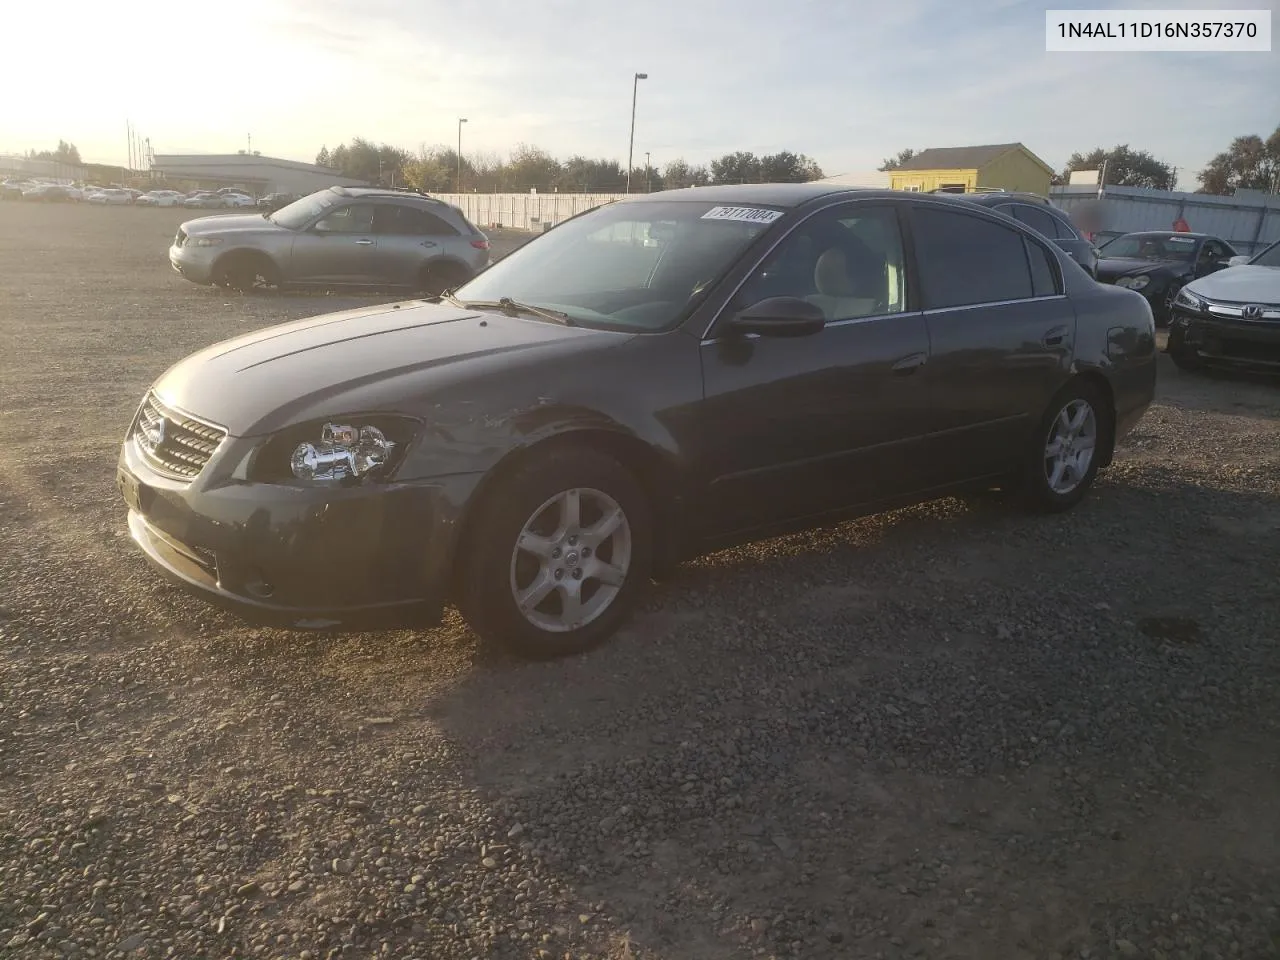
(1152, 246)
(635, 265)
(1269, 257)
(300, 212)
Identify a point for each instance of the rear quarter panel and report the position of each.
(1116, 337)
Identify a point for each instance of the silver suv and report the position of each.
(341, 236)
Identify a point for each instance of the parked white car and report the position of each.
(160, 198)
(238, 200)
(112, 196)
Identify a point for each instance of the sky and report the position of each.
(848, 82)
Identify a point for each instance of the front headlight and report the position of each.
(1133, 283)
(1186, 298)
(341, 451)
(203, 241)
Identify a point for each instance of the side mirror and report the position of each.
(1238, 260)
(779, 317)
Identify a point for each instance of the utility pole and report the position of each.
(150, 158)
(635, 84)
(457, 183)
(250, 138)
(128, 133)
(648, 178)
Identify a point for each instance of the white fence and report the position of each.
(1247, 221)
(524, 211)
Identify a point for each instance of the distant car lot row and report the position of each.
(224, 198)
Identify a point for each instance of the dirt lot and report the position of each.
(951, 732)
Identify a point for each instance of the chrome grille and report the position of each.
(172, 443)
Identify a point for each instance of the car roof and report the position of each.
(386, 193)
(771, 194)
(1170, 233)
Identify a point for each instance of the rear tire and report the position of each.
(247, 272)
(1067, 448)
(560, 553)
(435, 278)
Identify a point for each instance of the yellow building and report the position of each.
(1001, 166)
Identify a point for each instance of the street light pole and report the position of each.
(635, 83)
(648, 179)
(458, 183)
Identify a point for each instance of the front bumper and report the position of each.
(304, 557)
(1225, 339)
(193, 263)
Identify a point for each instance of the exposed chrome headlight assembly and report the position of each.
(342, 451)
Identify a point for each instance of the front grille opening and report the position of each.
(173, 444)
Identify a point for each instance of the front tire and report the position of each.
(559, 555)
(1067, 448)
(247, 273)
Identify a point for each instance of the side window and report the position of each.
(354, 218)
(1035, 218)
(966, 259)
(1065, 230)
(1044, 278)
(848, 260)
(410, 222)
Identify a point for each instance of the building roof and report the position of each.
(178, 160)
(965, 158)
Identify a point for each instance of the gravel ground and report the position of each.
(953, 731)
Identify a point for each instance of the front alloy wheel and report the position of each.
(571, 560)
(560, 551)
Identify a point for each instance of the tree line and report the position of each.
(1249, 163)
(437, 170)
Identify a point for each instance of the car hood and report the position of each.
(231, 223)
(293, 372)
(1243, 284)
(1109, 268)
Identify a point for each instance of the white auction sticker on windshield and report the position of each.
(742, 214)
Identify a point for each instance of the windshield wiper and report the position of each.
(513, 308)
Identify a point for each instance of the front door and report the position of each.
(795, 427)
(1001, 333)
(340, 247)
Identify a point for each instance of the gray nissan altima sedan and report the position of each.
(653, 379)
(341, 236)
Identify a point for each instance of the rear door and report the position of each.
(340, 247)
(1001, 337)
(408, 237)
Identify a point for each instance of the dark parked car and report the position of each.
(342, 236)
(274, 201)
(1231, 316)
(1042, 216)
(1160, 263)
(652, 379)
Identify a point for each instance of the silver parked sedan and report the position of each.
(341, 236)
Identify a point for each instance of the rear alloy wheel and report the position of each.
(1068, 448)
(248, 273)
(559, 555)
(435, 278)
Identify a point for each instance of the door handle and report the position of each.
(364, 243)
(428, 243)
(1054, 337)
(909, 365)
